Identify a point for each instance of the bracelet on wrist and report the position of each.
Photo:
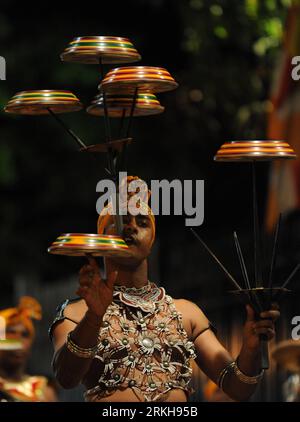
(87, 353)
(233, 368)
(245, 378)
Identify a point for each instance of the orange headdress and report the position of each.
(27, 309)
(106, 213)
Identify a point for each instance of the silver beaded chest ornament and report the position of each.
(143, 346)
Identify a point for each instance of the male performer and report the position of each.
(125, 339)
(15, 384)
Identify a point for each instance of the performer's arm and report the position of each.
(213, 358)
(69, 367)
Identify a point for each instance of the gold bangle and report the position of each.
(245, 378)
(223, 374)
(233, 367)
(87, 353)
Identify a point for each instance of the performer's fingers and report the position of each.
(85, 282)
(82, 291)
(250, 313)
(86, 268)
(274, 314)
(93, 263)
(269, 332)
(86, 279)
(275, 306)
(112, 278)
(264, 323)
(83, 269)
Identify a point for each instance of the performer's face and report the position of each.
(13, 358)
(138, 234)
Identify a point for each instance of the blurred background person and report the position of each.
(15, 383)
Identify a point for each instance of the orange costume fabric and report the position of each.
(30, 389)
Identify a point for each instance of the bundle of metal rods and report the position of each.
(256, 294)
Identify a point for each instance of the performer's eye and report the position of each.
(143, 221)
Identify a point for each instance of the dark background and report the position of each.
(222, 54)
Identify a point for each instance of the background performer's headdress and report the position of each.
(27, 309)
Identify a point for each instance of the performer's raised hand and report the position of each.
(265, 325)
(97, 293)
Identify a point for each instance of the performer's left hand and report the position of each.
(254, 327)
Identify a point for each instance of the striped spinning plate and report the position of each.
(90, 49)
(38, 102)
(255, 151)
(11, 344)
(145, 78)
(121, 104)
(80, 244)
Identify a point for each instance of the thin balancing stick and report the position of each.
(290, 276)
(122, 123)
(241, 259)
(103, 272)
(132, 111)
(70, 132)
(257, 255)
(124, 149)
(106, 117)
(217, 260)
(274, 252)
(111, 166)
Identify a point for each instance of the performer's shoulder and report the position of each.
(75, 306)
(70, 306)
(192, 312)
(187, 306)
(70, 309)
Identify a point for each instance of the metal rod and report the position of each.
(106, 117)
(111, 166)
(241, 259)
(257, 252)
(67, 129)
(118, 217)
(132, 112)
(217, 260)
(291, 276)
(274, 252)
(122, 123)
(124, 149)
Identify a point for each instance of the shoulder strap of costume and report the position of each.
(60, 314)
